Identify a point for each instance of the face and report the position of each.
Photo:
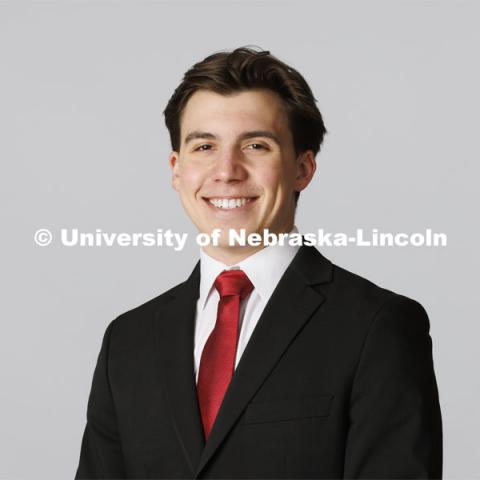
(236, 166)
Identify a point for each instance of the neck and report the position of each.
(231, 255)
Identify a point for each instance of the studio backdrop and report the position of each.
(84, 149)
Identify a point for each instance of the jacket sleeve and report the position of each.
(395, 421)
(101, 453)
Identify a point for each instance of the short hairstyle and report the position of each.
(242, 69)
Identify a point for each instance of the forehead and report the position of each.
(251, 109)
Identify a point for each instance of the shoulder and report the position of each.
(378, 305)
(137, 320)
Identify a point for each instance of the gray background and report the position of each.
(82, 89)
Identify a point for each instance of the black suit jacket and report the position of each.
(337, 381)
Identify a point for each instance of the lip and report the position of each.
(209, 197)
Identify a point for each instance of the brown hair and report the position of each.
(243, 69)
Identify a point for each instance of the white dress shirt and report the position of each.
(264, 269)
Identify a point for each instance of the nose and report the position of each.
(229, 166)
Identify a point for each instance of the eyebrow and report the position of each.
(244, 136)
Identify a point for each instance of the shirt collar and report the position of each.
(264, 269)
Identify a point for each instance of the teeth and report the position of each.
(229, 203)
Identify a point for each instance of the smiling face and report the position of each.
(236, 166)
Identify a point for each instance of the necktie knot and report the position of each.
(233, 282)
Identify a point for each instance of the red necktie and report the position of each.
(217, 362)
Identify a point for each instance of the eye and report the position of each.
(256, 146)
(203, 147)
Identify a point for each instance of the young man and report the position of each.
(267, 362)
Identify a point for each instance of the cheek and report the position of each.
(191, 179)
(275, 178)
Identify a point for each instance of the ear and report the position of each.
(173, 160)
(306, 166)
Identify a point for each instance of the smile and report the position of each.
(229, 203)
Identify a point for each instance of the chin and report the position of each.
(225, 236)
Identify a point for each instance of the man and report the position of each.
(267, 362)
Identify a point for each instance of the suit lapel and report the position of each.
(292, 304)
(174, 330)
